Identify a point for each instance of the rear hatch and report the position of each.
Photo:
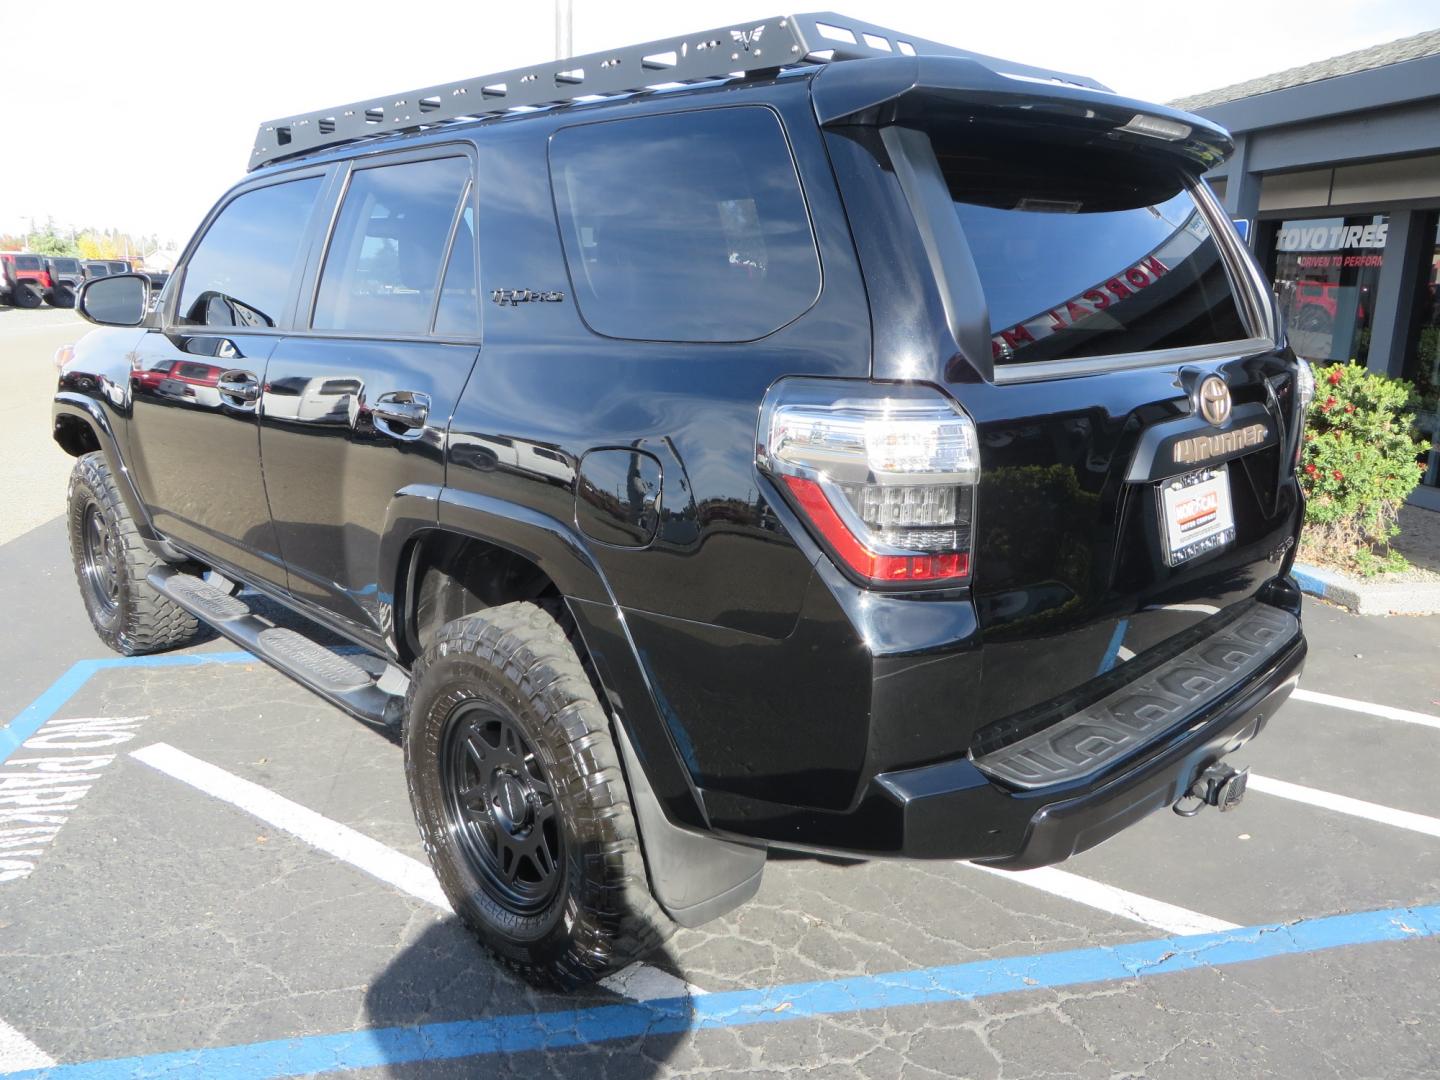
(1090, 295)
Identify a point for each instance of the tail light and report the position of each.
(884, 475)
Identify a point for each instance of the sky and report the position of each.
(142, 116)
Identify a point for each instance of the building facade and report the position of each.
(1337, 174)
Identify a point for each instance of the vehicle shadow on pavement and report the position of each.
(445, 979)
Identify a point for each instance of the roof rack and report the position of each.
(784, 41)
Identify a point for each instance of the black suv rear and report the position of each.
(887, 457)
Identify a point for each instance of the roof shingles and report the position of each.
(1392, 52)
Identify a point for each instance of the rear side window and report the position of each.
(383, 266)
(1086, 253)
(685, 227)
(241, 274)
(26, 262)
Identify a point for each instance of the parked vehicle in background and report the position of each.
(66, 277)
(96, 268)
(24, 280)
(893, 455)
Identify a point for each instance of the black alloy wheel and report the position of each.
(521, 801)
(101, 560)
(500, 808)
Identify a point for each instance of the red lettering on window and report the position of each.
(1096, 297)
(1075, 311)
(1137, 277)
(1016, 336)
(1120, 291)
(1155, 266)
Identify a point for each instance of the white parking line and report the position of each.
(640, 982)
(1328, 800)
(1127, 905)
(17, 1052)
(390, 866)
(1368, 707)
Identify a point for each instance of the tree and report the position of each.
(48, 241)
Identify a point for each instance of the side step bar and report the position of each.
(339, 681)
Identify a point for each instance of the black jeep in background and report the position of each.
(890, 453)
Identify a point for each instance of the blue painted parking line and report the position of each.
(64, 688)
(520, 1033)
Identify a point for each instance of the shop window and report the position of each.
(1326, 273)
(1422, 361)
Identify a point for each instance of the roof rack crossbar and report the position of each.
(783, 41)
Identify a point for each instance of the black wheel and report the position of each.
(61, 296)
(26, 296)
(517, 789)
(111, 562)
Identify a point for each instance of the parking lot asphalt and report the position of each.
(221, 877)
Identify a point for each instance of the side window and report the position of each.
(384, 260)
(457, 315)
(685, 227)
(242, 272)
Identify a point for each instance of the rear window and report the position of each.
(1087, 253)
(66, 266)
(685, 227)
(26, 262)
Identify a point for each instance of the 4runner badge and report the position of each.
(1204, 447)
(512, 297)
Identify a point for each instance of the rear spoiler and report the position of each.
(919, 90)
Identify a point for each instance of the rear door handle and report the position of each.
(401, 414)
(238, 388)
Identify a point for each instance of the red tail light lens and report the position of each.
(884, 475)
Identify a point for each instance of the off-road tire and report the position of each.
(26, 296)
(140, 620)
(516, 660)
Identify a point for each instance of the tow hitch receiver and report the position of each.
(1219, 785)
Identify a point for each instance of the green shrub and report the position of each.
(1357, 466)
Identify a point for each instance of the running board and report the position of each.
(344, 684)
(1086, 743)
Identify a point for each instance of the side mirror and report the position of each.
(121, 300)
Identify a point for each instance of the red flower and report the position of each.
(1349, 408)
(1330, 403)
(1338, 475)
(1311, 470)
(1335, 377)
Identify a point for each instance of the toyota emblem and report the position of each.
(1215, 400)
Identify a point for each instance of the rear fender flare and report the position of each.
(554, 547)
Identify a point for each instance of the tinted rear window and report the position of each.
(1084, 253)
(685, 227)
(26, 262)
(66, 266)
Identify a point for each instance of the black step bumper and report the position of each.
(954, 810)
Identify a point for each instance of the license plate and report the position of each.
(1195, 514)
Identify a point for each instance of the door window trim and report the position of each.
(310, 282)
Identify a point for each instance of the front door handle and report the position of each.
(240, 389)
(401, 414)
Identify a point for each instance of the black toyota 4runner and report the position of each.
(798, 434)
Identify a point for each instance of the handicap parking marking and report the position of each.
(1344, 804)
(784, 1004)
(1370, 708)
(1116, 901)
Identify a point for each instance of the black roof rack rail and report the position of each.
(783, 41)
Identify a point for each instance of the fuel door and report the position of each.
(617, 498)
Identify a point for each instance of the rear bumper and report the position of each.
(953, 810)
(1067, 826)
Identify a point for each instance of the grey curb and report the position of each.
(1369, 597)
